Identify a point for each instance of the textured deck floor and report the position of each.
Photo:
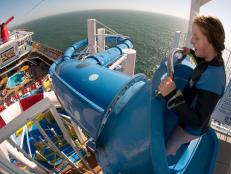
(223, 163)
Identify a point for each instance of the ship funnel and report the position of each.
(4, 30)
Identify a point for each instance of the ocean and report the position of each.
(150, 33)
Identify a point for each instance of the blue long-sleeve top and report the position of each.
(200, 95)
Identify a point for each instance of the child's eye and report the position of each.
(195, 37)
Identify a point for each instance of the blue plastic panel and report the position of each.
(86, 90)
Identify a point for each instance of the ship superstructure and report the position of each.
(18, 44)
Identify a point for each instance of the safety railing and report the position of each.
(41, 140)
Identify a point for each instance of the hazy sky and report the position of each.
(31, 9)
(26, 10)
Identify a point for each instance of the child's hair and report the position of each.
(213, 29)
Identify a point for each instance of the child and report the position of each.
(196, 102)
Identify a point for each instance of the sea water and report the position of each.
(151, 33)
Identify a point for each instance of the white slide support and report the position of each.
(16, 108)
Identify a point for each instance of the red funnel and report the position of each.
(4, 30)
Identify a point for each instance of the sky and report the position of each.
(27, 10)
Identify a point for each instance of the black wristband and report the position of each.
(170, 95)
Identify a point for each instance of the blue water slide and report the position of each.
(129, 124)
(109, 56)
(105, 57)
(109, 107)
(89, 71)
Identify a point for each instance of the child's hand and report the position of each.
(166, 86)
(186, 51)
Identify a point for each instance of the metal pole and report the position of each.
(42, 168)
(101, 39)
(82, 138)
(130, 62)
(91, 31)
(56, 149)
(8, 168)
(67, 137)
(176, 39)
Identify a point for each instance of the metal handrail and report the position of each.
(170, 65)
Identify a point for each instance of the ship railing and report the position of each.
(223, 132)
(42, 46)
(24, 162)
(23, 32)
(107, 28)
(222, 128)
(47, 51)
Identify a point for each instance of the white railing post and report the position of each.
(7, 168)
(41, 167)
(194, 11)
(81, 137)
(176, 39)
(188, 40)
(101, 39)
(91, 31)
(129, 63)
(24, 160)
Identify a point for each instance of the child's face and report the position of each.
(200, 42)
